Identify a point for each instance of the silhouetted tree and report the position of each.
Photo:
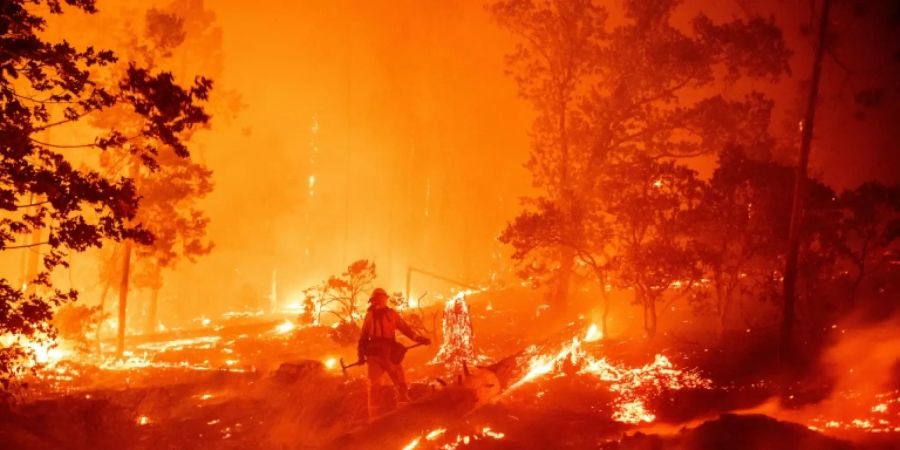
(740, 230)
(347, 291)
(869, 235)
(644, 88)
(551, 64)
(806, 125)
(542, 227)
(168, 192)
(651, 204)
(168, 209)
(48, 85)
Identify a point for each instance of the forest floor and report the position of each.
(250, 386)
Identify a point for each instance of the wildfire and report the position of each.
(458, 345)
(455, 442)
(593, 334)
(878, 418)
(45, 351)
(201, 342)
(285, 327)
(633, 412)
(435, 433)
(413, 444)
(632, 386)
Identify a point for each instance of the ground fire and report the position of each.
(485, 224)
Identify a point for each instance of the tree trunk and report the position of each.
(123, 299)
(790, 271)
(34, 257)
(723, 299)
(100, 318)
(723, 315)
(152, 309)
(651, 323)
(563, 281)
(642, 300)
(605, 296)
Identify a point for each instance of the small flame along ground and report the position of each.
(438, 439)
(218, 349)
(632, 386)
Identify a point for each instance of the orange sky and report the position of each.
(420, 143)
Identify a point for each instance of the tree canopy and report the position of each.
(47, 185)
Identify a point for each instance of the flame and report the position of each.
(435, 433)
(294, 307)
(200, 342)
(330, 363)
(631, 385)
(285, 327)
(633, 412)
(593, 334)
(457, 347)
(44, 350)
(413, 444)
(877, 418)
(142, 420)
(454, 443)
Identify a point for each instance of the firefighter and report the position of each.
(380, 349)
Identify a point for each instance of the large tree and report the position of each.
(651, 203)
(169, 192)
(552, 64)
(740, 232)
(611, 94)
(49, 184)
(869, 234)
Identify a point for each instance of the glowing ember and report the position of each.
(413, 444)
(869, 417)
(593, 334)
(435, 433)
(285, 327)
(142, 420)
(633, 412)
(43, 349)
(330, 363)
(439, 434)
(458, 345)
(202, 342)
(631, 386)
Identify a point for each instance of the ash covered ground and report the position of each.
(540, 383)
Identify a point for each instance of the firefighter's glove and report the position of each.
(423, 340)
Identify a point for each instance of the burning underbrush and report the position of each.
(271, 384)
